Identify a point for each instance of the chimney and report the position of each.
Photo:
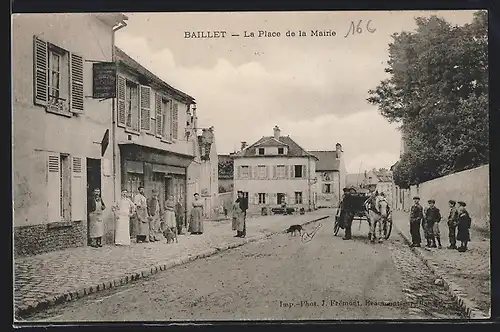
(277, 132)
(243, 145)
(338, 149)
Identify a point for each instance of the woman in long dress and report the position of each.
(196, 218)
(169, 214)
(238, 218)
(96, 224)
(464, 224)
(123, 209)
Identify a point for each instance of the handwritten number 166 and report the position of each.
(356, 28)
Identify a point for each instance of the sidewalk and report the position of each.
(47, 279)
(467, 275)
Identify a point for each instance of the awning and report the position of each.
(140, 152)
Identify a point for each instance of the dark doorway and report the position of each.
(93, 178)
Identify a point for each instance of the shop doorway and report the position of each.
(93, 181)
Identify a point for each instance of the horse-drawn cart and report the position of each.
(356, 203)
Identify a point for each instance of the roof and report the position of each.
(383, 176)
(125, 60)
(354, 179)
(294, 150)
(327, 160)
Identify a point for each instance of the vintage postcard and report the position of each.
(229, 166)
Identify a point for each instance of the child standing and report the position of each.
(464, 223)
(432, 218)
(452, 224)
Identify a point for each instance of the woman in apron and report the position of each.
(96, 225)
(196, 222)
(169, 214)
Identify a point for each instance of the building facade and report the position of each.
(330, 177)
(57, 128)
(273, 170)
(157, 145)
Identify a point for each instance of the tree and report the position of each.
(437, 91)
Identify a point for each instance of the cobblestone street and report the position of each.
(357, 280)
(470, 270)
(45, 276)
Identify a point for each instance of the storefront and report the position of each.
(153, 168)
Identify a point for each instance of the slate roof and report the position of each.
(327, 161)
(294, 150)
(125, 60)
(383, 176)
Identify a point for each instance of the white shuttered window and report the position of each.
(57, 78)
(53, 187)
(78, 189)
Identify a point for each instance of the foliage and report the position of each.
(226, 168)
(222, 189)
(437, 90)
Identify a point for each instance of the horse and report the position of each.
(378, 216)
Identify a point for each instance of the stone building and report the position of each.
(157, 141)
(57, 128)
(331, 177)
(273, 170)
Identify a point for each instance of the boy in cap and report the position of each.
(432, 217)
(452, 224)
(464, 223)
(416, 217)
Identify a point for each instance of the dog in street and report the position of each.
(294, 229)
(171, 235)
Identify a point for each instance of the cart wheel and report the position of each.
(389, 229)
(336, 226)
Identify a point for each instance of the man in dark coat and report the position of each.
(348, 214)
(432, 216)
(452, 224)
(464, 223)
(243, 203)
(416, 217)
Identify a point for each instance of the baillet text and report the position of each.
(208, 34)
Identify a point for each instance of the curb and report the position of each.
(456, 291)
(32, 307)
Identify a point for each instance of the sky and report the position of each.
(313, 87)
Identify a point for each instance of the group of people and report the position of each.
(151, 217)
(429, 218)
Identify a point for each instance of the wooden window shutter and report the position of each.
(120, 96)
(145, 103)
(78, 189)
(53, 187)
(238, 172)
(159, 115)
(292, 171)
(40, 66)
(76, 83)
(304, 172)
(275, 171)
(267, 198)
(292, 199)
(175, 120)
(256, 198)
(253, 172)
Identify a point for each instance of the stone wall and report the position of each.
(37, 239)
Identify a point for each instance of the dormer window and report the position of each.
(261, 151)
(281, 150)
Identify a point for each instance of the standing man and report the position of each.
(142, 216)
(179, 215)
(464, 224)
(416, 218)
(452, 224)
(96, 225)
(432, 216)
(349, 214)
(243, 204)
(154, 212)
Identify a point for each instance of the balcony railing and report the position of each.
(58, 104)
